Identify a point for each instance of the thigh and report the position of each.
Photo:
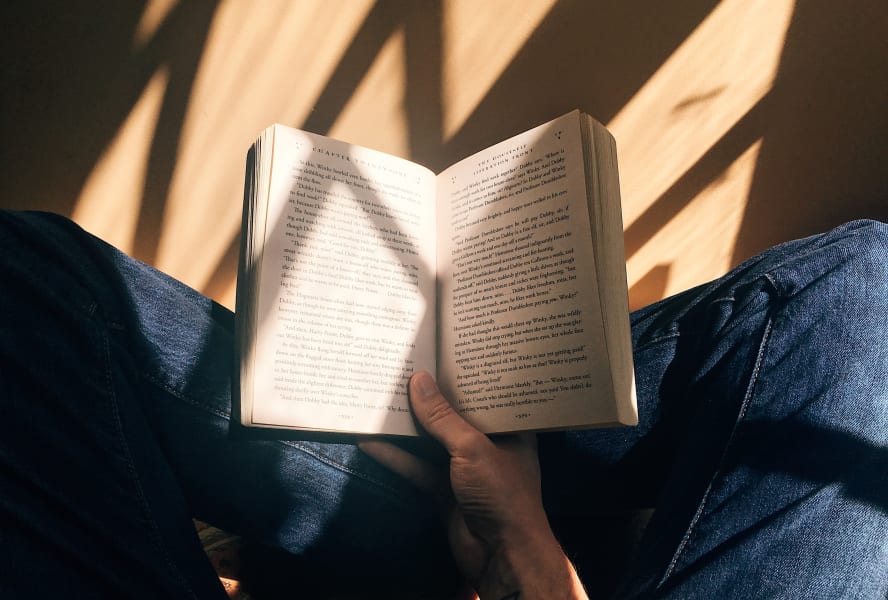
(116, 401)
(87, 504)
(762, 435)
(792, 500)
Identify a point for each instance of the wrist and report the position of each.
(530, 565)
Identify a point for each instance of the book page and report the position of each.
(346, 306)
(522, 343)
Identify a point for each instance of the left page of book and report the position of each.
(345, 306)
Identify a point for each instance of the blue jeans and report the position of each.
(762, 446)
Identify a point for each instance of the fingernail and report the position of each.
(426, 384)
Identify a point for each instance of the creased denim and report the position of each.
(762, 446)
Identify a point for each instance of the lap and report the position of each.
(762, 434)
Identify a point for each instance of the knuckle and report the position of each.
(439, 412)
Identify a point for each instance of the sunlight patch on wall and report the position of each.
(377, 104)
(110, 200)
(480, 41)
(717, 74)
(258, 67)
(699, 241)
(227, 294)
(155, 13)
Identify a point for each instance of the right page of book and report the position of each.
(521, 337)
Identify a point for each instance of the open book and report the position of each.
(504, 275)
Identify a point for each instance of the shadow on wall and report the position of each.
(72, 74)
(71, 77)
(824, 129)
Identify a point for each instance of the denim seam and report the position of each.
(344, 468)
(146, 508)
(658, 339)
(766, 337)
(184, 397)
(668, 335)
(674, 333)
(296, 445)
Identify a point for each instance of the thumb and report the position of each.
(438, 418)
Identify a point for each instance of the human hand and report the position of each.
(498, 530)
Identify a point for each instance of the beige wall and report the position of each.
(740, 123)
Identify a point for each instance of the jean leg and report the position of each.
(87, 506)
(762, 434)
(696, 356)
(780, 488)
(169, 354)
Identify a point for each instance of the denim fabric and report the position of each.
(763, 441)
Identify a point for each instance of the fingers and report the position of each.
(438, 418)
